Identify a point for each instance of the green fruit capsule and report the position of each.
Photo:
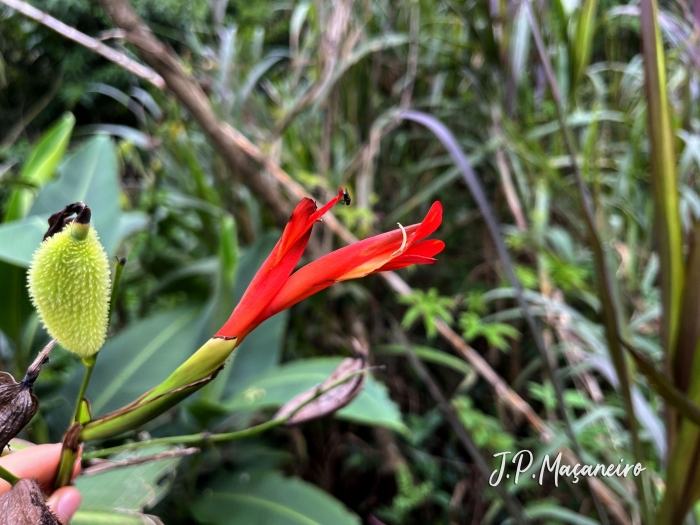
(69, 285)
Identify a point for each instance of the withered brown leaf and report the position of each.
(17, 402)
(25, 504)
(328, 401)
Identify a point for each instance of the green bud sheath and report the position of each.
(69, 285)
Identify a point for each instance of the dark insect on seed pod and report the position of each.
(25, 504)
(17, 402)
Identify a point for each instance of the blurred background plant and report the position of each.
(544, 99)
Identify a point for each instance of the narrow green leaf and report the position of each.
(542, 511)
(582, 43)
(662, 158)
(40, 166)
(427, 354)
(89, 175)
(663, 386)
(667, 226)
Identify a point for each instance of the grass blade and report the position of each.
(663, 174)
(582, 44)
(450, 143)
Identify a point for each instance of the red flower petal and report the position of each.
(357, 260)
(405, 260)
(431, 222)
(278, 266)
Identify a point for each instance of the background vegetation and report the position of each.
(551, 103)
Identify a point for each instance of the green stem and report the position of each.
(228, 436)
(89, 363)
(190, 439)
(8, 476)
(66, 465)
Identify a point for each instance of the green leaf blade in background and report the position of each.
(262, 349)
(581, 45)
(19, 239)
(662, 159)
(140, 357)
(118, 496)
(90, 175)
(110, 517)
(256, 497)
(40, 166)
(278, 385)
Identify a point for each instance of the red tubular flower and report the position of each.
(277, 268)
(273, 289)
(388, 251)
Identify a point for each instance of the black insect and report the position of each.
(58, 220)
(346, 197)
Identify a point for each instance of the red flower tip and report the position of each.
(388, 251)
(278, 266)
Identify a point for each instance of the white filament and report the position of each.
(403, 244)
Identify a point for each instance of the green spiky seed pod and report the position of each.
(69, 284)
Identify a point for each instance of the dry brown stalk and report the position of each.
(81, 38)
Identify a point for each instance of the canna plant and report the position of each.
(69, 274)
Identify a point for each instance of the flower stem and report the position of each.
(216, 438)
(69, 455)
(190, 439)
(8, 476)
(66, 464)
(89, 363)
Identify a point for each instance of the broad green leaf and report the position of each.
(132, 222)
(139, 358)
(278, 385)
(260, 351)
(19, 239)
(40, 166)
(256, 497)
(112, 517)
(89, 175)
(133, 488)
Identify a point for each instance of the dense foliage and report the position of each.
(319, 87)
